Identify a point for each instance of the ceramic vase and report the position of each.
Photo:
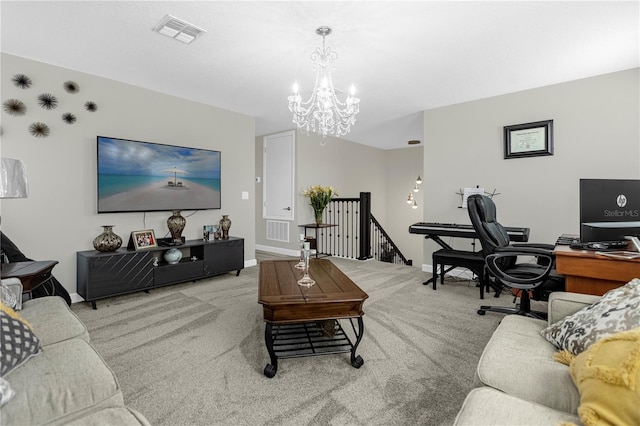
(225, 224)
(108, 240)
(172, 256)
(176, 223)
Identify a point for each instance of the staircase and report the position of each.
(358, 234)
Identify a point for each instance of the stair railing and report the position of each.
(384, 249)
(356, 233)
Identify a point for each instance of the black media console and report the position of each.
(102, 275)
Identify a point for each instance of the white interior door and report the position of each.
(278, 179)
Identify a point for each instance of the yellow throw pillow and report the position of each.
(13, 314)
(607, 376)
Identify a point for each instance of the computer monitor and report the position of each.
(609, 209)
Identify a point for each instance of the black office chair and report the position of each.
(509, 265)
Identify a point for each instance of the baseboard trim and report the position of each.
(278, 250)
(76, 298)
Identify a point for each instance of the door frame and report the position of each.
(265, 181)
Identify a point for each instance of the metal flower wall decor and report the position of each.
(15, 107)
(21, 81)
(46, 101)
(71, 87)
(68, 118)
(39, 130)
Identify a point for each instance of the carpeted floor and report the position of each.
(193, 353)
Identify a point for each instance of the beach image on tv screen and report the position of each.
(144, 176)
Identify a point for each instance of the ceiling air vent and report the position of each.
(178, 29)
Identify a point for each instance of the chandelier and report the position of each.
(324, 113)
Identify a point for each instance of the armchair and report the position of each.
(510, 265)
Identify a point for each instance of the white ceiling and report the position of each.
(403, 57)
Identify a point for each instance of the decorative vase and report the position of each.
(318, 213)
(176, 224)
(225, 224)
(108, 240)
(172, 256)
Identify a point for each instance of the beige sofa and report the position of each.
(68, 382)
(520, 383)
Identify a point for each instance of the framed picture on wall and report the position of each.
(528, 140)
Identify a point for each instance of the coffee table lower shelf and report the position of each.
(309, 339)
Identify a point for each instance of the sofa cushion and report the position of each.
(6, 393)
(18, 342)
(121, 416)
(562, 304)
(618, 310)
(487, 406)
(52, 320)
(517, 360)
(608, 378)
(66, 381)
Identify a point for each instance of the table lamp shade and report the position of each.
(13, 179)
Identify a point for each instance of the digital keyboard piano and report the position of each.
(434, 231)
(458, 258)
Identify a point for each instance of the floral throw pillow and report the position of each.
(618, 310)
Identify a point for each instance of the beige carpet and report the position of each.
(193, 353)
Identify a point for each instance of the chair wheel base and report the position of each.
(481, 312)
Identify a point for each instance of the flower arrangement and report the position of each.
(319, 197)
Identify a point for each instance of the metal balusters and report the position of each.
(358, 234)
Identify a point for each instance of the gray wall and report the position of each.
(347, 166)
(596, 126)
(402, 167)
(352, 168)
(59, 217)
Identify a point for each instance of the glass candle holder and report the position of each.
(306, 280)
(300, 264)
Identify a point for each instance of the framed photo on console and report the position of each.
(141, 240)
(209, 232)
(528, 140)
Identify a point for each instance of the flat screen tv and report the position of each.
(135, 176)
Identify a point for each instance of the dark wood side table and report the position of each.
(33, 274)
(317, 226)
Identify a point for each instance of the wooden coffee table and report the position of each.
(297, 317)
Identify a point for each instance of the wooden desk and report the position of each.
(590, 273)
(32, 273)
